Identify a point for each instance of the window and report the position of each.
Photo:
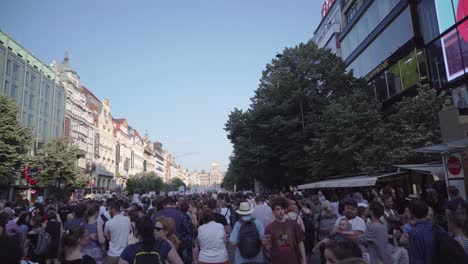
(394, 80)
(371, 18)
(390, 40)
(409, 70)
(381, 87)
(428, 20)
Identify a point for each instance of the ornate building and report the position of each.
(78, 117)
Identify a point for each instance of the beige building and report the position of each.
(104, 145)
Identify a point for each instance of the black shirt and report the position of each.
(220, 219)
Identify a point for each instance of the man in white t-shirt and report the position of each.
(116, 231)
(262, 212)
(358, 226)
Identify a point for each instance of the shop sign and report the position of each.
(326, 7)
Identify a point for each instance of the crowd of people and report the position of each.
(333, 226)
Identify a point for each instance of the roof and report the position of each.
(436, 169)
(445, 148)
(88, 92)
(92, 106)
(137, 134)
(348, 182)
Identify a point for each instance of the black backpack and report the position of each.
(446, 249)
(105, 219)
(309, 224)
(143, 256)
(249, 239)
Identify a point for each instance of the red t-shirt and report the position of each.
(285, 238)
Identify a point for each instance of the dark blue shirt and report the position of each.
(179, 218)
(130, 251)
(421, 243)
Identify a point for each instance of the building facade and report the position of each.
(159, 158)
(35, 88)
(327, 32)
(103, 167)
(78, 117)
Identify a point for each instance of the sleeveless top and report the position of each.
(92, 248)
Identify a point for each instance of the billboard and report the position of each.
(455, 42)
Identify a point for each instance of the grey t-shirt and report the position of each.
(376, 237)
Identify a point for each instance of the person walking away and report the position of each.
(77, 217)
(219, 218)
(225, 211)
(54, 228)
(96, 234)
(32, 239)
(211, 240)
(339, 251)
(10, 246)
(284, 238)
(421, 235)
(246, 237)
(72, 246)
(116, 230)
(376, 236)
(149, 250)
(262, 212)
(458, 223)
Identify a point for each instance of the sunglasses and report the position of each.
(158, 228)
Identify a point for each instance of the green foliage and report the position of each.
(416, 123)
(310, 119)
(174, 184)
(15, 142)
(57, 160)
(144, 182)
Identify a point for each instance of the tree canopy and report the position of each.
(311, 119)
(15, 142)
(57, 162)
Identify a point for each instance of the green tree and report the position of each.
(415, 124)
(174, 184)
(15, 142)
(270, 138)
(59, 171)
(144, 182)
(348, 128)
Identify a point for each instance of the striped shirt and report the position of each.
(421, 243)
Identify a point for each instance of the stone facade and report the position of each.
(78, 117)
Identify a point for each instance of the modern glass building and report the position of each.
(396, 44)
(35, 88)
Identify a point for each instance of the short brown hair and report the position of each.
(207, 216)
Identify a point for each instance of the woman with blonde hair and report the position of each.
(165, 228)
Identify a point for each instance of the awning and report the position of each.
(349, 182)
(435, 169)
(449, 147)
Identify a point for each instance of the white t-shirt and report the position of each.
(357, 223)
(118, 228)
(264, 214)
(212, 241)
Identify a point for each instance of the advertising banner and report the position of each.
(460, 97)
(455, 42)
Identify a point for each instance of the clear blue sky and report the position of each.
(175, 68)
